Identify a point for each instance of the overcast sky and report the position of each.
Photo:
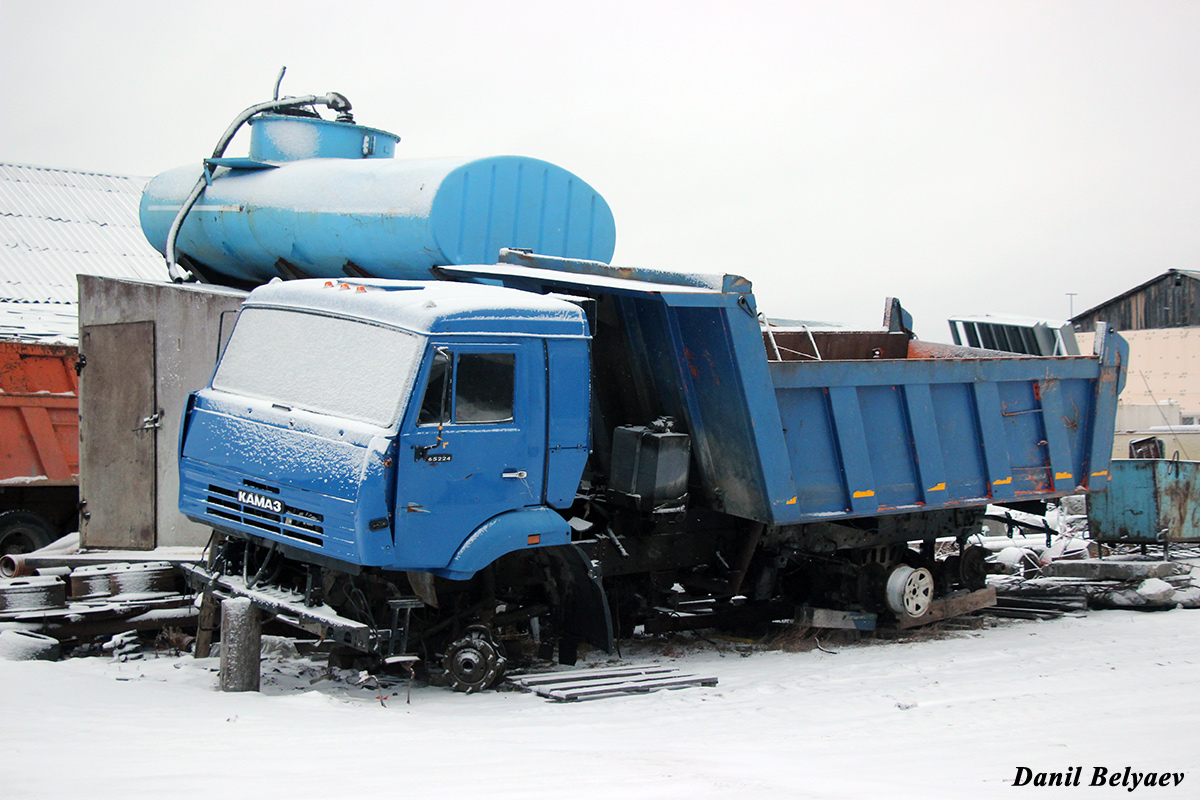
(966, 157)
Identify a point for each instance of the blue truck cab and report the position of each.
(415, 426)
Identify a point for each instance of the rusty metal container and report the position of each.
(1149, 501)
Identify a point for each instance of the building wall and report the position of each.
(190, 323)
(1170, 301)
(1136, 417)
(1164, 365)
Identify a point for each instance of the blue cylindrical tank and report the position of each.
(325, 199)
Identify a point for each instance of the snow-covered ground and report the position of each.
(950, 717)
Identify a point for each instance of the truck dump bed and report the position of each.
(39, 415)
(943, 426)
(785, 436)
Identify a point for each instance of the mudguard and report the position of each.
(583, 614)
(505, 533)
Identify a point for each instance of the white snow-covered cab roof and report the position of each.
(428, 307)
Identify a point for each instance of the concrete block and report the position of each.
(1106, 570)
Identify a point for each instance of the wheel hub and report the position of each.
(910, 591)
(474, 663)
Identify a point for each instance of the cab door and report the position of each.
(472, 449)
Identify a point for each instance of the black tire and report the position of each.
(24, 532)
(973, 568)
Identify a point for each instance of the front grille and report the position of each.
(278, 518)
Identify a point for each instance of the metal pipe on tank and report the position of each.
(333, 100)
(326, 198)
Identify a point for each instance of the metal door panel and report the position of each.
(117, 436)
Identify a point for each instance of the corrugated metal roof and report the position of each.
(39, 322)
(56, 224)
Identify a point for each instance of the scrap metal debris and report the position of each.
(66, 595)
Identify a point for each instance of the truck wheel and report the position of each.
(974, 568)
(23, 532)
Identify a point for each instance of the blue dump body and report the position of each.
(895, 427)
(318, 198)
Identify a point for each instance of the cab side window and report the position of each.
(484, 389)
(468, 388)
(435, 407)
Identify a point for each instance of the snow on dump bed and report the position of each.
(954, 717)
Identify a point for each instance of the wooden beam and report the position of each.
(947, 607)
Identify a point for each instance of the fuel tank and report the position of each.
(321, 198)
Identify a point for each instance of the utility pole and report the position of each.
(1072, 304)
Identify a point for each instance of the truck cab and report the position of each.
(415, 426)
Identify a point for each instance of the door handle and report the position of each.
(150, 422)
(515, 474)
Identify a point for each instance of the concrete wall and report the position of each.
(1134, 417)
(190, 324)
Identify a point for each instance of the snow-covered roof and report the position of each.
(56, 224)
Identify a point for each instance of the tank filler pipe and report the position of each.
(333, 100)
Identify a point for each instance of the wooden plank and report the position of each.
(1096, 569)
(628, 680)
(730, 617)
(594, 684)
(273, 600)
(948, 607)
(634, 688)
(584, 674)
(832, 618)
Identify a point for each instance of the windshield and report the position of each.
(342, 367)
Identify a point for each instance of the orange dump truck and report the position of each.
(39, 444)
